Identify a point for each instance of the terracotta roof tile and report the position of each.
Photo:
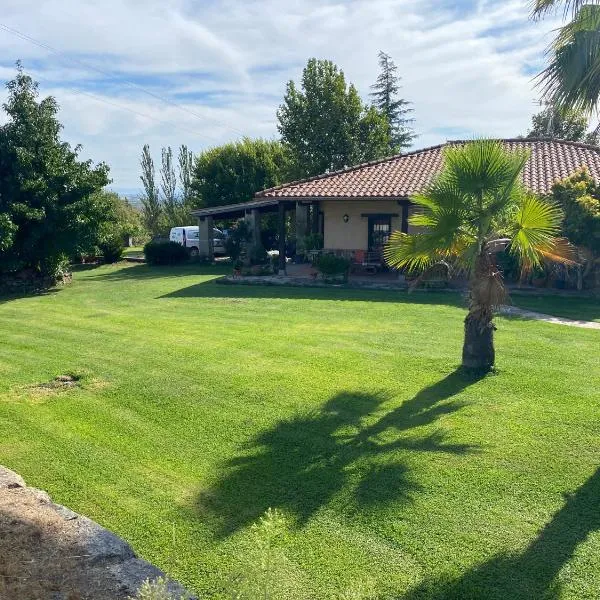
(407, 174)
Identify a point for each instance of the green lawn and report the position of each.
(587, 309)
(202, 405)
(133, 251)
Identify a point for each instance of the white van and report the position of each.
(189, 236)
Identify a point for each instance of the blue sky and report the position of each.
(129, 72)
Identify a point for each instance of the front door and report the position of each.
(380, 228)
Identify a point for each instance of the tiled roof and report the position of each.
(404, 175)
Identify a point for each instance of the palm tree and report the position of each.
(474, 209)
(572, 79)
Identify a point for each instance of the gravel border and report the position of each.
(536, 316)
(108, 558)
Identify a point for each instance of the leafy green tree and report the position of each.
(562, 124)
(122, 221)
(152, 210)
(572, 79)
(475, 208)
(396, 110)
(326, 125)
(234, 172)
(48, 211)
(579, 198)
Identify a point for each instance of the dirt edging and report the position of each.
(49, 551)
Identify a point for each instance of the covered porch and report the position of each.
(351, 227)
(306, 217)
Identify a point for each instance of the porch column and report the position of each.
(315, 224)
(301, 220)
(404, 223)
(281, 233)
(301, 227)
(253, 220)
(206, 237)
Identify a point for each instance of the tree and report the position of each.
(325, 124)
(385, 99)
(122, 219)
(48, 211)
(168, 186)
(152, 212)
(234, 172)
(562, 124)
(175, 211)
(572, 79)
(579, 198)
(186, 171)
(475, 208)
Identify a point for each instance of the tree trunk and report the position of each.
(478, 347)
(486, 291)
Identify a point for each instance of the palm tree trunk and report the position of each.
(478, 346)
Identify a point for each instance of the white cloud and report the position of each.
(466, 66)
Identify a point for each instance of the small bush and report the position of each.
(257, 255)
(331, 266)
(165, 253)
(308, 243)
(112, 249)
(236, 240)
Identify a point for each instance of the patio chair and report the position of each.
(369, 262)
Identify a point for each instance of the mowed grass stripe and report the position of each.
(202, 405)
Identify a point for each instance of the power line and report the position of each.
(131, 110)
(45, 46)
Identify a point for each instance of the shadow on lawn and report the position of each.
(530, 575)
(300, 464)
(144, 271)
(210, 289)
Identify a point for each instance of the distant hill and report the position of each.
(134, 200)
(132, 195)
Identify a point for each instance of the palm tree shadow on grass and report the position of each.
(299, 465)
(530, 575)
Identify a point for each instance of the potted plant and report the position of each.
(237, 268)
(333, 268)
(539, 277)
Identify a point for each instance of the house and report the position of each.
(358, 207)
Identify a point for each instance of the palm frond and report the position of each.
(561, 251)
(477, 187)
(412, 252)
(483, 169)
(542, 7)
(489, 288)
(572, 79)
(535, 226)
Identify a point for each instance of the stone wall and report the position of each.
(67, 554)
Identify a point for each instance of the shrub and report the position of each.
(308, 243)
(331, 266)
(257, 255)
(112, 249)
(236, 240)
(165, 253)
(275, 262)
